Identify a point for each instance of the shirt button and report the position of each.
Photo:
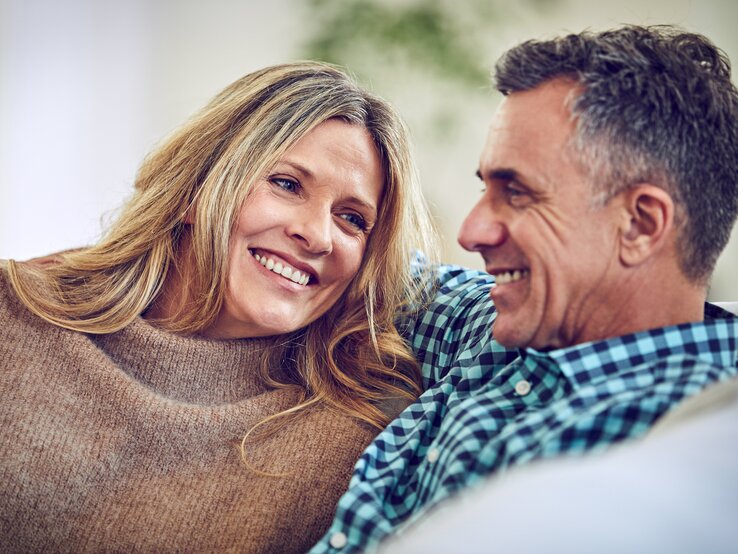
(433, 455)
(338, 540)
(522, 387)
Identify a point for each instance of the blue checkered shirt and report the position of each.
(487, 408)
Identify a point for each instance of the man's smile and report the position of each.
(510, 276)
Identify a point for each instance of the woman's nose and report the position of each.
(312, 228)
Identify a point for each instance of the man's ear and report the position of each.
(647, 223)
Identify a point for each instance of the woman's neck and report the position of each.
(175, 297)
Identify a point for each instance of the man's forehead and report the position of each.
(531, 123)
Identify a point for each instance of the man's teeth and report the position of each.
(510, 276)
(284, 270)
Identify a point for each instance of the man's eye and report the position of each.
(289, 185)
(513, 190)
(517, 194)
(355, 219)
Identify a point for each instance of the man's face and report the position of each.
(553, 253)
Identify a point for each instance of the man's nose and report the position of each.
(481, 229)
(312, 227)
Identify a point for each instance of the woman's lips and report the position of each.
(282, 268)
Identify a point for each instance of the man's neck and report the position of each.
(639, 304)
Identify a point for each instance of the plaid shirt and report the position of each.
(487, 408)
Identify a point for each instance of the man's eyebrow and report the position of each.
(500, 174)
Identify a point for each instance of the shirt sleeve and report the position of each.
(457, 320)
(452, 340)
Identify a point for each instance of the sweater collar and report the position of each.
(188, 369)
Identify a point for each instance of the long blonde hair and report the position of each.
(350, 358)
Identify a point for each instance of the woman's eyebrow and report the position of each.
(297, 167)
(365, 204)
(369, 206)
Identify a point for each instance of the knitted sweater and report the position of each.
(130, 442)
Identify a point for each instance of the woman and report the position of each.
(206, 376)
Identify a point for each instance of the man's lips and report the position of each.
(286, 266)
(506, 276)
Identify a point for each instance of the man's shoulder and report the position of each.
(456, 321)
(454, 278)
(716, 309)
(456, 290)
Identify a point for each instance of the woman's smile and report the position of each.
(301, 234)
(277, 265)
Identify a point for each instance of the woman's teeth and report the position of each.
(510, 276)
(284, 270)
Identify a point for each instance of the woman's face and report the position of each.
(301, 233)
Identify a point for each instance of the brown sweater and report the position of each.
(129, 442)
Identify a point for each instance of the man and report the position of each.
(610, 188)
(675, 492)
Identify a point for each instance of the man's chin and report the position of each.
(509, 334)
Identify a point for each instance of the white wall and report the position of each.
(74, 111)
(87, 87)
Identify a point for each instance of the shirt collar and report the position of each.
(714, 340)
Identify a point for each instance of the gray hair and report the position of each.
(656, 104)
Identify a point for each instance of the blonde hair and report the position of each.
(353, 356)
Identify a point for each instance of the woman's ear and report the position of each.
(648, 223)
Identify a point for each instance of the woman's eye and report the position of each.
(356, 220)
(289, 185)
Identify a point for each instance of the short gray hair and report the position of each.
(656, 105)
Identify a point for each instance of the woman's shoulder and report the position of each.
(12, 310)
(15, 320)
(6, 290)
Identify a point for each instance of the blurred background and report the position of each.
(88, 87)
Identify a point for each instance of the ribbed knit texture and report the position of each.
(129, 442)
